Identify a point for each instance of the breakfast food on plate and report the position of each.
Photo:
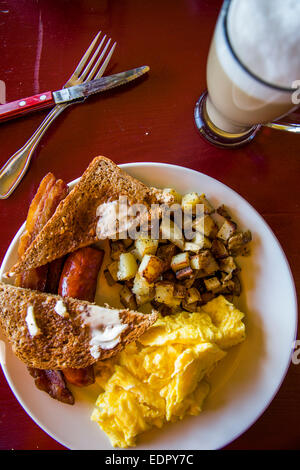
(53, 332)
(79, 266)
(162, 376)
(42, 207)
(175, 273)
(80, 272)
(74, 223)
(47, 278)
(52, 382)
(44, 278)
(79, 280)
(151, 368)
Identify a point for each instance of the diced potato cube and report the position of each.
(179, 291)
(116, 248)
(227, 286)
(135, 253)
(200, 274)
(171, 193)
(193, 295)
(185, 273)
(222, 210)
(202, 241)
(113, 269)
(172, 232)
(141, 286)
(210, 227)
(190, 200)
(166, 253)
(164, 293)
(196, 261)
(145, 299)
(226, 276)
(205, 261)
(206, 225)
(127, 298)
(151, 267)
(218, 249)
(237, 244)
(212, 266)
(127, 266)
(230, 285)
(227, 264)
(226, 230)
(208, 208)
(146, 246)
(180, 261)
(193, 247)
(192, 307)
(188, 281)
(212, 284)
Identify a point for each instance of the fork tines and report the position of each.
(94, 68)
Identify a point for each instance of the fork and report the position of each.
(15, 168)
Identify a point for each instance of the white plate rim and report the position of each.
(127, 166)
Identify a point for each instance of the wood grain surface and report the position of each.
(41, 41)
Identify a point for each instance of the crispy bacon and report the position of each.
(35, 279)
(52, 382)
(42, 207)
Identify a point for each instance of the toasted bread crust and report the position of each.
(74, 223)
(62, 342)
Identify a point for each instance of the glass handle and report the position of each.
(290, 123)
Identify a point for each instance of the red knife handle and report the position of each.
(26, 105)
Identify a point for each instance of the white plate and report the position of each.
(245, 382)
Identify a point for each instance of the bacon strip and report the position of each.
(53, 383)
(42, 207)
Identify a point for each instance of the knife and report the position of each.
(77, 93)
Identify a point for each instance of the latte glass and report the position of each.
(238, 102)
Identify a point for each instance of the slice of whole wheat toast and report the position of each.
(74, 223)
(60, 341)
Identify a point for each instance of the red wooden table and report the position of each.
(153, 121)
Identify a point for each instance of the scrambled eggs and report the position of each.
(162, 376)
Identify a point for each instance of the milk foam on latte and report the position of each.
(265, 35)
